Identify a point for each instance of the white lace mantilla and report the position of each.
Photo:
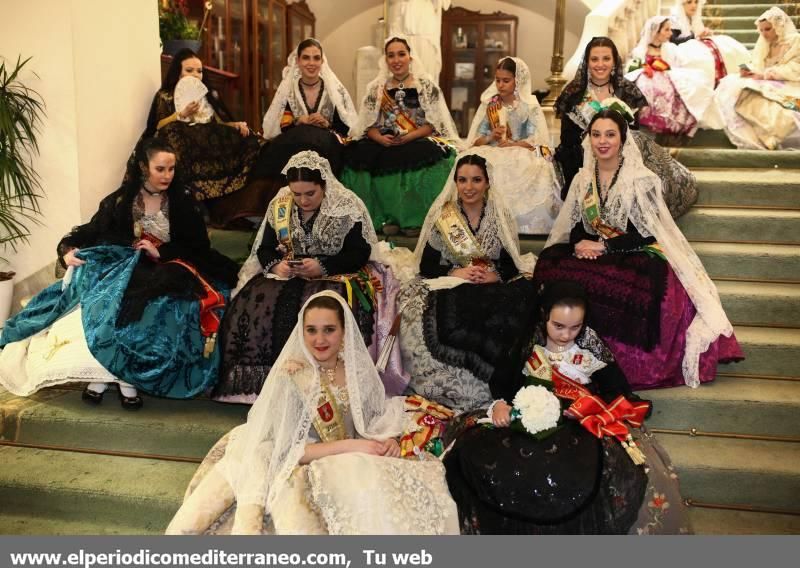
(431, 100)
(334, 97)
(637, 197)
(339, 211)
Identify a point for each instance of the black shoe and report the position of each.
(130, 402)
(92, 397)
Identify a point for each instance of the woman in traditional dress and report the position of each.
(650, 297)
(599, 83)
(761, 108)
(678, 97)
(140, 303)
(511, 123)
(716, 55)
(316, 235)
(583, 478)
(466, 318)
(216, 155)
(311, 110)
(405, 143)
(319, 452)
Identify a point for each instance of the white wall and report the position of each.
(345, 25)
(342, 27)
(98, 67)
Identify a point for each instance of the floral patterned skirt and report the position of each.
(667, 113)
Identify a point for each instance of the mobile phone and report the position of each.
(294, 263)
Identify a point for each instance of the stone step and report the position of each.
(716, 139)
(738, 22)
(722, 260)
(23, 524)
(724, 522)
(760, 262)
(140, 494)
(741, 472)
(743, 35)
(732, 158)
(761, 304)
(749, 9)
(748, 187)
(233, 244)
(715, 3)
(741, 225)
(57, 416)
(768, 352)
(758, 407)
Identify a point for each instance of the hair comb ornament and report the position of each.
(616, 105)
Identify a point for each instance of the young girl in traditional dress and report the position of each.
(678, 96)
(761, 108)
(140, 304)
(511, 125)
(405, 143)
(316, 235)
(319, 453)
(652, 301)
(578, 479)
(216, 154)
(716, 55)
(311, 110)
(598, 84)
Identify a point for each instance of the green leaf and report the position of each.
(21, 112)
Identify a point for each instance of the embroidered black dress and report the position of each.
(505, 481)
(261, 317)
(295, 138)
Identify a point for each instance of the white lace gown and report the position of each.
(774, 112)
(345, 494)
(527, 179)
(694, 86)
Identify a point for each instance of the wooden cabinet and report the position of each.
(226, 46)
(250, 39)
(271, 52)
(300, 24)
(472, 44)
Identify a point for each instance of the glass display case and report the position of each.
(472, 44)
(301, 23)
(248, 40)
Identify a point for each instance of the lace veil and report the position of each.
(649, 31)
(637, 197)
(289, 93)
(682, 22)
(339, 211)
(783, 25)
(541, 135)
(262, 453)
(498, 228)
(430, 97)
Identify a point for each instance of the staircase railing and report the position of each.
(621, 20)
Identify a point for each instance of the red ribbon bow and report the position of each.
(608, 420)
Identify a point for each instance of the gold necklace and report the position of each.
(557, 353)
(330, 374)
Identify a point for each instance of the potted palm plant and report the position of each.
(175, 28)
(21, 112)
